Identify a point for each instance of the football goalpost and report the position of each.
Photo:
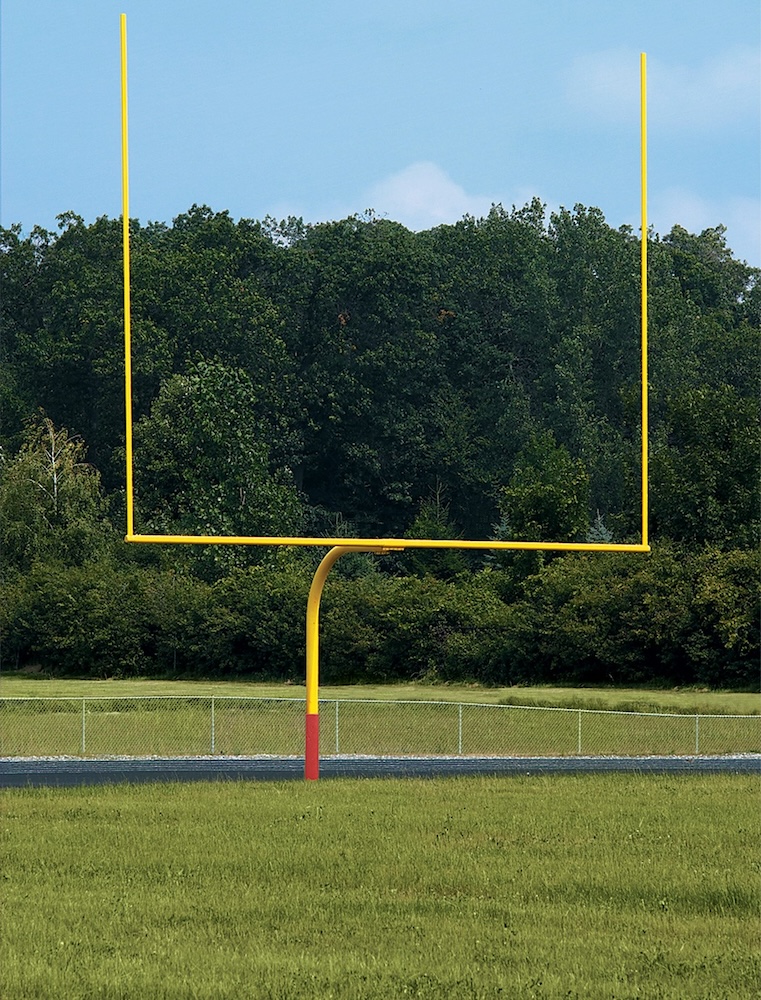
(340, 546)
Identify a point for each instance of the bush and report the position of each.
(385, 629)
(256, 624)
(76, 620)
(672, 617)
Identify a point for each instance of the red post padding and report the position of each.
(312, 751)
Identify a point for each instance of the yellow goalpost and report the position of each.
(339, 546)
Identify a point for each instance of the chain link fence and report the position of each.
(173, 726)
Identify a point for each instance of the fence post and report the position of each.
(84, 744)
(337, 743)
(213, 726)
(459, 729)
(697, 734)
(578, 750)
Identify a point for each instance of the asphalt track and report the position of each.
(21, 772)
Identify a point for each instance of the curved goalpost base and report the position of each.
(312, 744)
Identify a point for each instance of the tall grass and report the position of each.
(587, 886)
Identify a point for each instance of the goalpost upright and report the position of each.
(643, 290)
(127, 283)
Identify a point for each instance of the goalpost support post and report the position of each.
(312, 745)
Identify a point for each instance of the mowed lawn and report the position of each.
(592, 886)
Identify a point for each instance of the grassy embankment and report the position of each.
(586, 887)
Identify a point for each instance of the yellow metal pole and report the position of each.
(643, 293)
(312, 748)
(384, 544)
(126, 263)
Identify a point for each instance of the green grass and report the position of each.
(688, 700)
(431, 725)
(576, 887)
(171, 726)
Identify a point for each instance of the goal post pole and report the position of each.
(643, 294)
(126, 267)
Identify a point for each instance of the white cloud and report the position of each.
(722, 92)
(423, 195)
(420, 197)
(741, 216)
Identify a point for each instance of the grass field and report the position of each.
(172, 726)
(575, 887)
(687, 700)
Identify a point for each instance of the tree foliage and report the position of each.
(51, 505)
(352, 377)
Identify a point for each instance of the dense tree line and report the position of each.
(479, 380)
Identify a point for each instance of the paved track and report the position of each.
(66, 772)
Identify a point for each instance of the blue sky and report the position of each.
(420, 110)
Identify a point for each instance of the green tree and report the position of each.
(434, 521)
(547, 498)
(23, 302)
(68, 337)
(705, 469)
(675, 616)
(86, 620)
(494, 302)
(202, 464)
(51, 505)
(367, 371)
(707, 272)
